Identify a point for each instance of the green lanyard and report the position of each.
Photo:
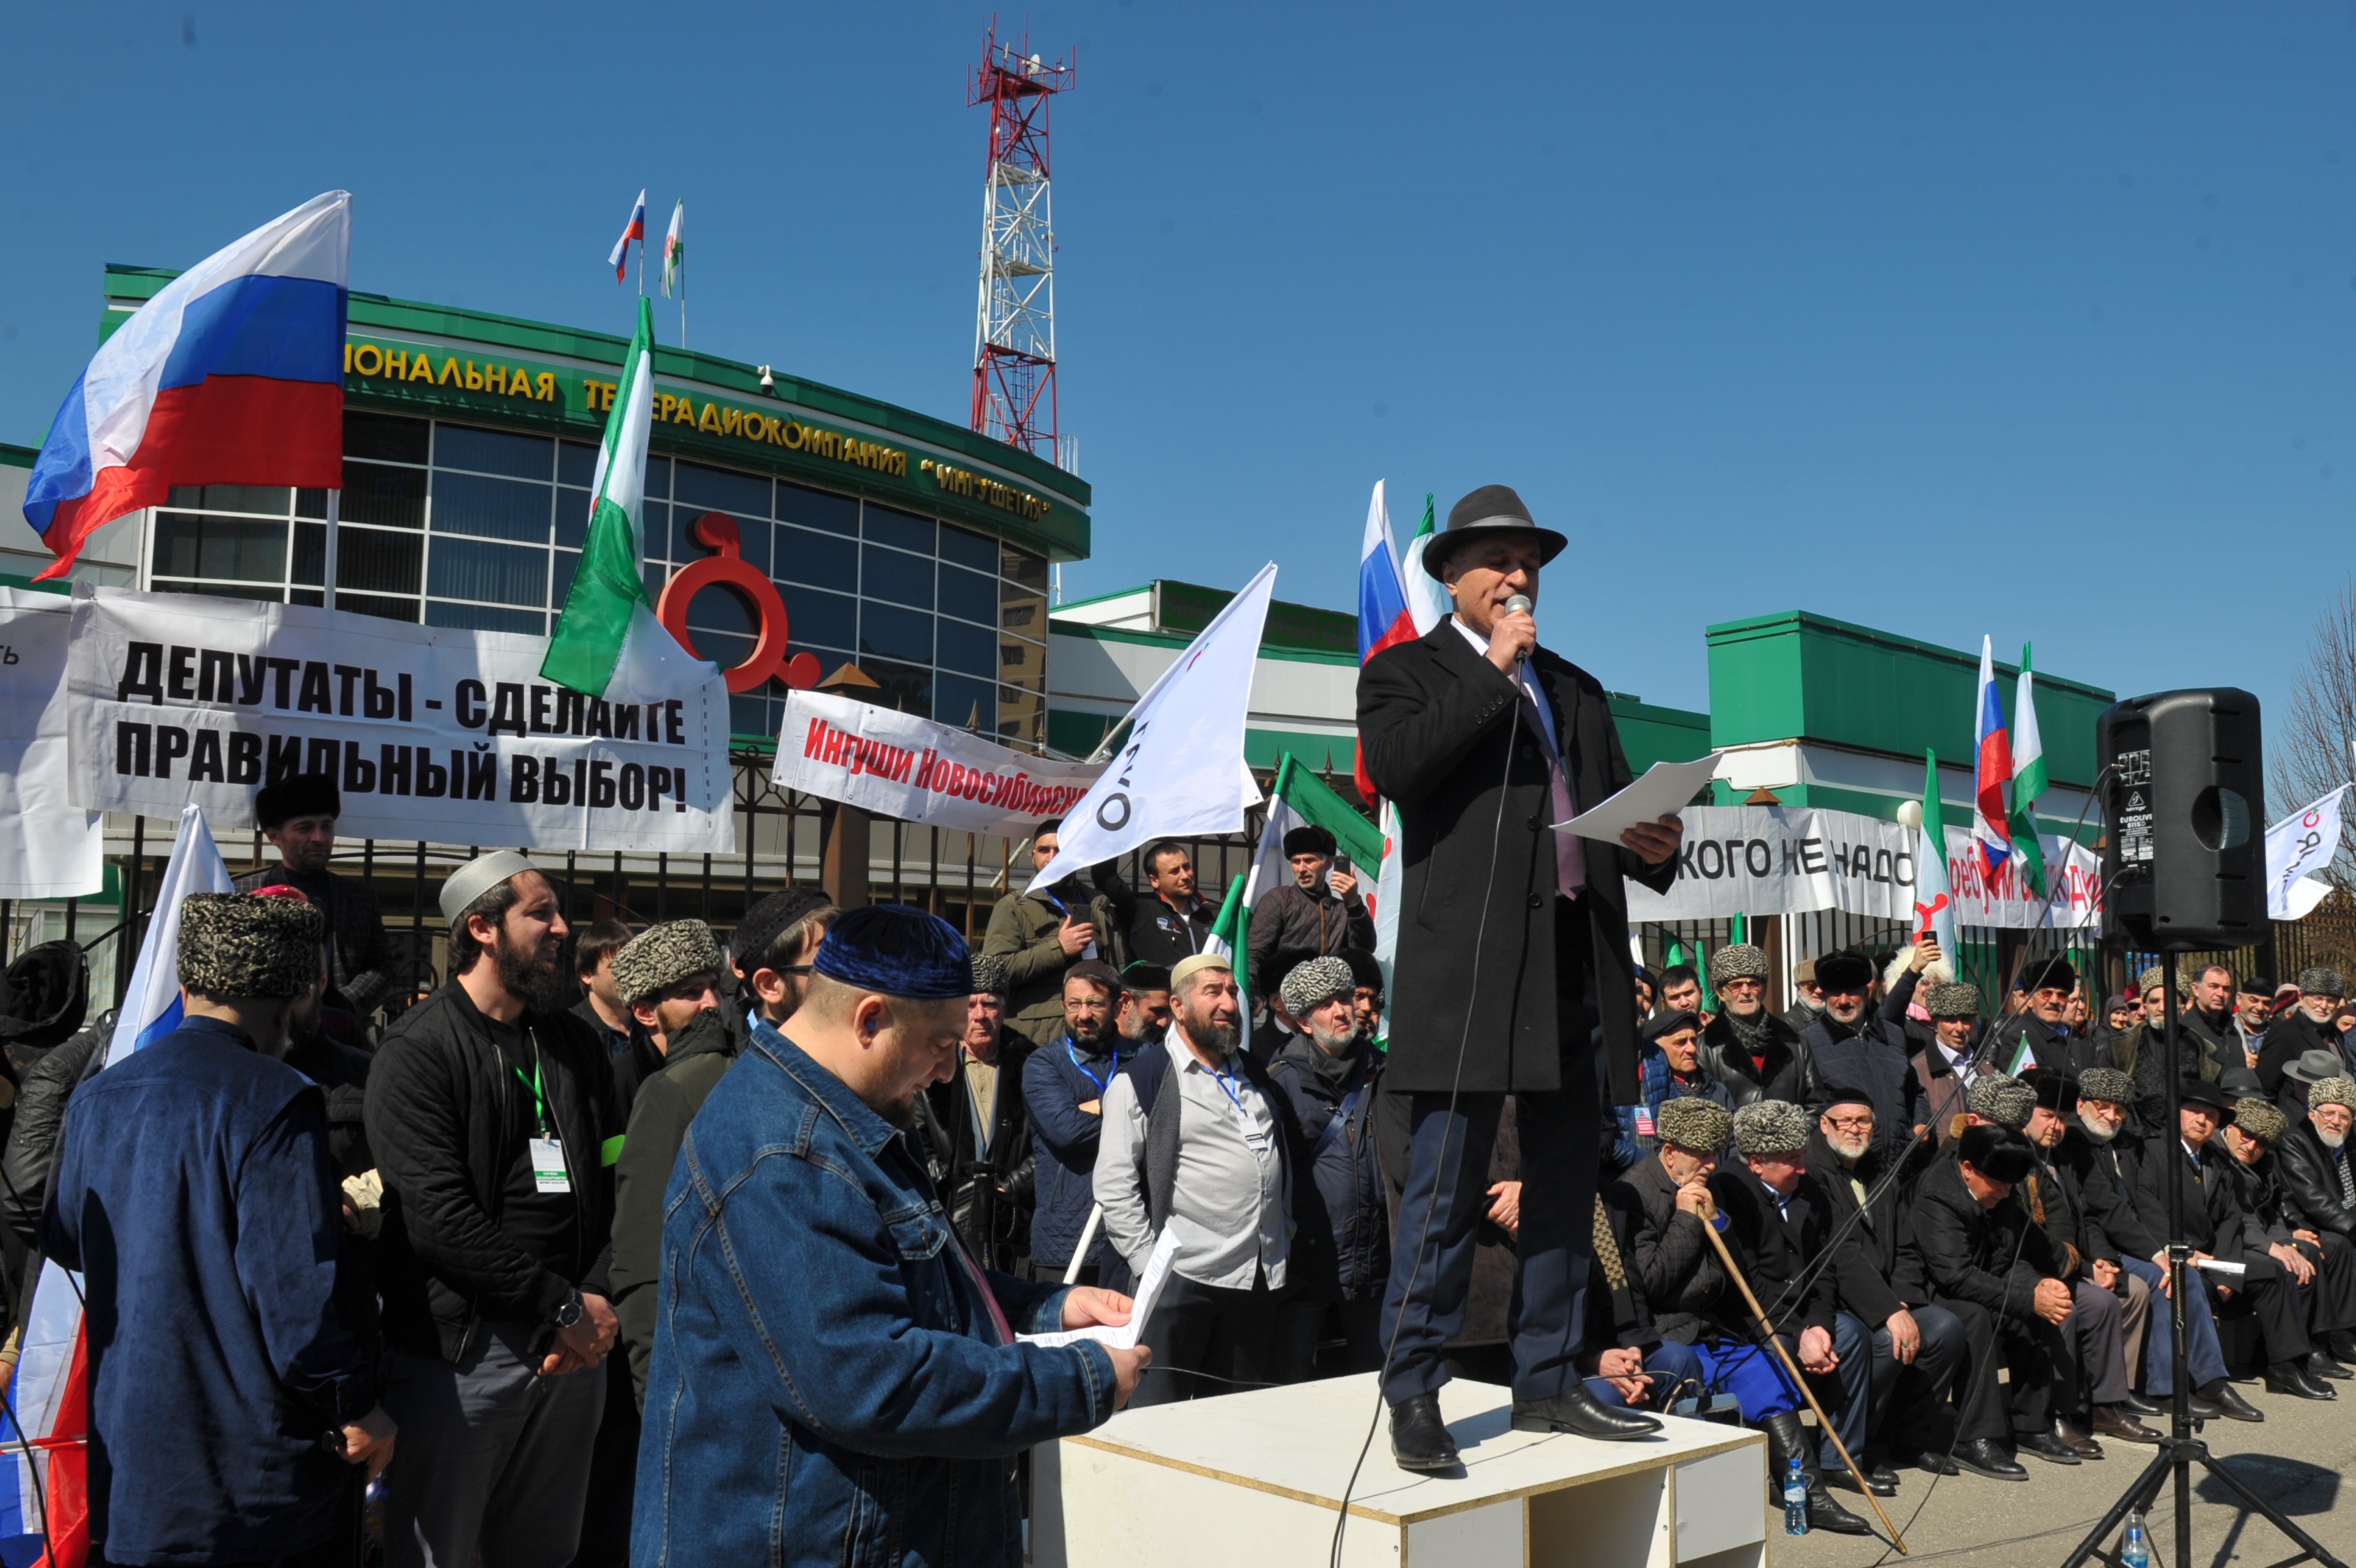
(539, 1100)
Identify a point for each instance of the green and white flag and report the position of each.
(2027, 780)
(607, 642)
(1299, 799)
(674, 254)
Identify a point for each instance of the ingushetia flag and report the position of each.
(607, 642)
(2028, 779)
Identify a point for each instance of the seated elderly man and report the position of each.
(835, 1379)
(1668, 1067)
(2308, 1026)
(2319, 1181)
(2319, 1262)
(1774, 1220)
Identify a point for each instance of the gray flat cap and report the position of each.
(477, 877)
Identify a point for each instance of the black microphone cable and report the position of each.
(1456, 1083)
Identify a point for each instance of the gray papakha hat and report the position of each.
(662, 957)
(1701, 1125)
(2007, 1102)
(989, 975)
(1952, 999)
(477, 877)
(1738, 961)
(2262, 1120)
(247, 944)
(1318, 980)
(1770, 1126)
(2320, 981)
(2107, 1084)
(2332, 1092)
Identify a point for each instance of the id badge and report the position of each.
(1643, 1123)
(547, 1169)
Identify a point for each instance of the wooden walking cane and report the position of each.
(1800, 1381)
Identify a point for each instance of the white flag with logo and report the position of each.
(1181, 771)
(2301, 843)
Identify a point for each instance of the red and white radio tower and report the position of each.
(1015, 323)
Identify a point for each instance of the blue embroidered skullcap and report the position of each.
(897, 952)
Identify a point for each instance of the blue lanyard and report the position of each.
(1226, 1083)
(1104, 1084)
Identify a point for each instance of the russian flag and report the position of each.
(1384, 617)
(233, 375)
(1991, 772)
(44, 1451)
(634, 229)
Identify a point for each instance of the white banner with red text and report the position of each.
(1774, 859)
(429, 734)
(896, 764)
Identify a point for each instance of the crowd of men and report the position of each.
(553, 1246)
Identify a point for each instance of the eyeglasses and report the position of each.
(1742, 984)
(1852, 1124)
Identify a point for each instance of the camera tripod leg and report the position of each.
(2147, 1487)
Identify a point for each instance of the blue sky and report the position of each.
(2028, 320)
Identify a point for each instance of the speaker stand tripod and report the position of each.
(2179, 1450)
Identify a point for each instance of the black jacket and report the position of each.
(1870, 1056)
(32, 1150)
(1614, 1282)
(2106, 1177)
(1944, 1093)
(1776, 1247)
(1992, 1258)
(2214, 1221)
(2054, 1198)
(1872, 1267)
(988, 1191)
(2258, 1189)
(342, 1071)
(438, 1111)
(2142, 1054)
(2311, 1180)
(1790, 1074)
(1441, 735)
(2287, 1039)
(1156, 933)
(1344, 1158)
(1672, 1261)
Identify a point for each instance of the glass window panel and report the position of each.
(369, 604)
(889, 574)
(377, 563)
(219, 590)
(725, 651)
(1021, 663)
(907, 688)
(657, 524)
(494, 452)
(388, 498)
(386, 437)
(490, 508)
(483, 618)
(1020, 566)
(1022, 613)
(1022, 717)
(312, 596)
(576, 464)
(270, 500)
(820, 560)
(465, 570)
(718, 609)
(238, 548)
(817, 509)
(720, 490)
(658, 477)
(968, 595)
(560, 571)
(899, 529)
(749, 714)
(571, 518)
(310, 503)
(968, 650)
(959, 701)
(895, 634)
(655, 572)
(752, 537)
(969, 549)
(310, 553)
(825, 620)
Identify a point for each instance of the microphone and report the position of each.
(1519, 604)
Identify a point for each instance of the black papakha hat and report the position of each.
(1845, 972)
(1310, 839)
(1997, 1153)
(305, 794)
(1492, 508)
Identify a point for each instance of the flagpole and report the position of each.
(642, 261)
(328, 584)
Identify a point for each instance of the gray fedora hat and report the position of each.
(2315, 1066)
(1491, 509)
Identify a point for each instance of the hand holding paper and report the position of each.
(1666, 788)
(1148, 1290)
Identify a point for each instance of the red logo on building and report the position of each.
(729, 569)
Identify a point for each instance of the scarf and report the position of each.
(1751, 1035)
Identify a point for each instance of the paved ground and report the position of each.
(2295, 1459)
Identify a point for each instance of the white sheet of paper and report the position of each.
(2219, 1266)
(1664, 788)
(1148, 1290)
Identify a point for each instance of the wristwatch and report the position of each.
(569, 1315)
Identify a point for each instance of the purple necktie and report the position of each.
(1569, 858)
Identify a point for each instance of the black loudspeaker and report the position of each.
(2184, 857)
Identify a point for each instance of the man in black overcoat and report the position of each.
(1513, 965)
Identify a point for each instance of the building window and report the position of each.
(460, 526)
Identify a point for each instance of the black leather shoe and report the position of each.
(2117, 1421)
(2066, 1432)
(2228, 1402)
(1824, 1513)
(1580, 1412)
(1939, 1464)
(2046, 1447)
(1419, 1439)
(2290, 1378)
(2340, 1346)
(2319, 1365)
(2198, 1409)
(2135, 1405)
(1987, 1456)
(1878, 1479)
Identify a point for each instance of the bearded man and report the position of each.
(493, 1116)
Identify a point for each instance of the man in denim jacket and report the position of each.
(835, 1379)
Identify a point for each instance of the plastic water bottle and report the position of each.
(2135, 1552)
(1795, 1503)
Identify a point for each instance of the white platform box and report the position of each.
(1254, 1479)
